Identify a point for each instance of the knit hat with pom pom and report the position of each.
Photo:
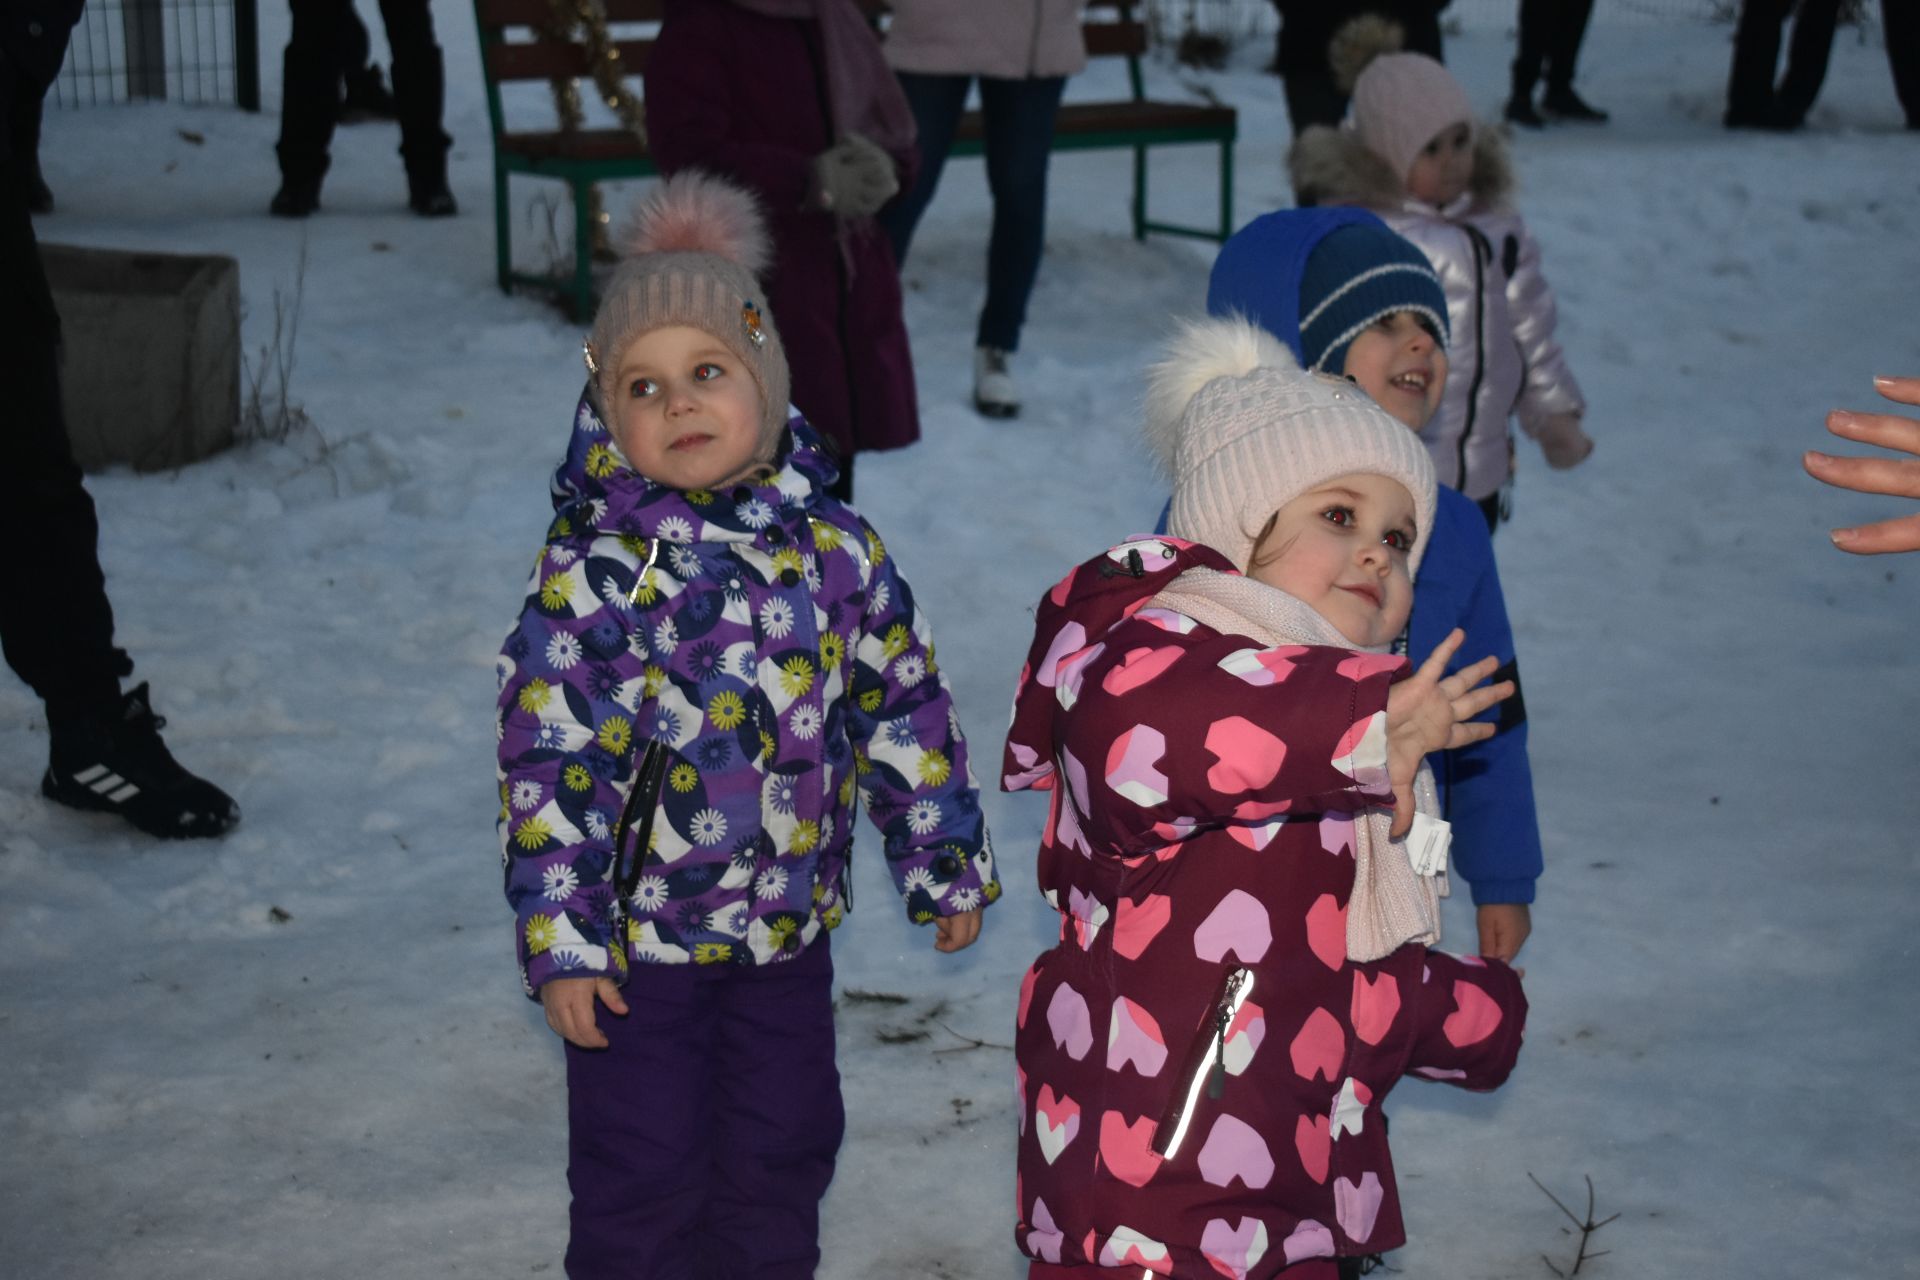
(1243, 430)
(694, 250)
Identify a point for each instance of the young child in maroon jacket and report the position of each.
(1243, 972)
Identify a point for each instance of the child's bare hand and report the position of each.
(1431, 712)
(1504, 927)
(956, 933)
(569, 1006)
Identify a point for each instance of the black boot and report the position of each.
(296, 198)
(1520, 111)
(118, 764)
(419, 90)
(1563, 103)
(427, 192)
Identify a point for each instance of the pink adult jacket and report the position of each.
(1201, 1069)
(1503, 358)
(1007, 39)
(744, 95)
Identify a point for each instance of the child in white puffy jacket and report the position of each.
(1411, 151)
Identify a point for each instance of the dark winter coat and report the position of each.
(33, 43)
(744, 95)
(698, 684)
(1504, 359)
(1201, 1068)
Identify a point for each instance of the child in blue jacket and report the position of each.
(1351, 297)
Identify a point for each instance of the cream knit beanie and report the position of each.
(1401, 102)
(1242, 430)
(695, 247)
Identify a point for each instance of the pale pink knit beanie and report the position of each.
(1401, 102)
(1242, 430)
(694, 250)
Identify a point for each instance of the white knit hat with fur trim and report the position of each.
(695, 247)
(1242, 430)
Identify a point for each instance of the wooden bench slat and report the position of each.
(552, 59)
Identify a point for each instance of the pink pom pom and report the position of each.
(695, 212)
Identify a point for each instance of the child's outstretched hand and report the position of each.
(569, 1006)
(1431, 712)
(956, 933)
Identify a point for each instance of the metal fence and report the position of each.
(197, 51)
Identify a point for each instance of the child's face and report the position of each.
(1444, 166)
(1342, 548)
(1397, 361)
(685, 412)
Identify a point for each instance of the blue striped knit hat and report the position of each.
(1316, 278)
(1356, 275)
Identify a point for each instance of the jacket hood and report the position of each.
(1071, 626)
(1331, 165)
(594, 489)
(1257, 273)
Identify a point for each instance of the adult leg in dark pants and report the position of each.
(1814, 22)
(322, 37)
(1752, 100)
(937, 103)
(703, 1138)
(106, 751)
(1551, 32)
(1901, 21)
(1019, 118)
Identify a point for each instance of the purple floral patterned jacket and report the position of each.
(698, 686)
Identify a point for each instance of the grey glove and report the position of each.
(853, 177)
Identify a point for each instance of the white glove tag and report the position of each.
(1427, 844)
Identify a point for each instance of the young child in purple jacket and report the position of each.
(714, 656)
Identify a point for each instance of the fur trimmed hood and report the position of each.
(1332, 166)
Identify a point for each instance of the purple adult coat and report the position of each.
(736, 93)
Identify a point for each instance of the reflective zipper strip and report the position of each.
(640, 579)
(1239, 987)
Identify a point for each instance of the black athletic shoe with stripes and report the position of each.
(122, 766)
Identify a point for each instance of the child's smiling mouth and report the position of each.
(1366, 591)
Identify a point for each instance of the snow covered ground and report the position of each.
(1726, 720)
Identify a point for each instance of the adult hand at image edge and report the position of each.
(1895, 477)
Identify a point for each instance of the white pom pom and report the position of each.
(695, 212)
(1201, 351)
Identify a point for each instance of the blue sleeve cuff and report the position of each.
(1487, 893)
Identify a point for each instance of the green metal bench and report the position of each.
(514, 49)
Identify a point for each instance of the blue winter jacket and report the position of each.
(1486, 788)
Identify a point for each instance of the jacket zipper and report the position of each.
(648, 780)
(1480, 245)
(1205, 1066)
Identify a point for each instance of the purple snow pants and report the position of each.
(702, 1139)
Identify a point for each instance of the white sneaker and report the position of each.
(994, 393)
